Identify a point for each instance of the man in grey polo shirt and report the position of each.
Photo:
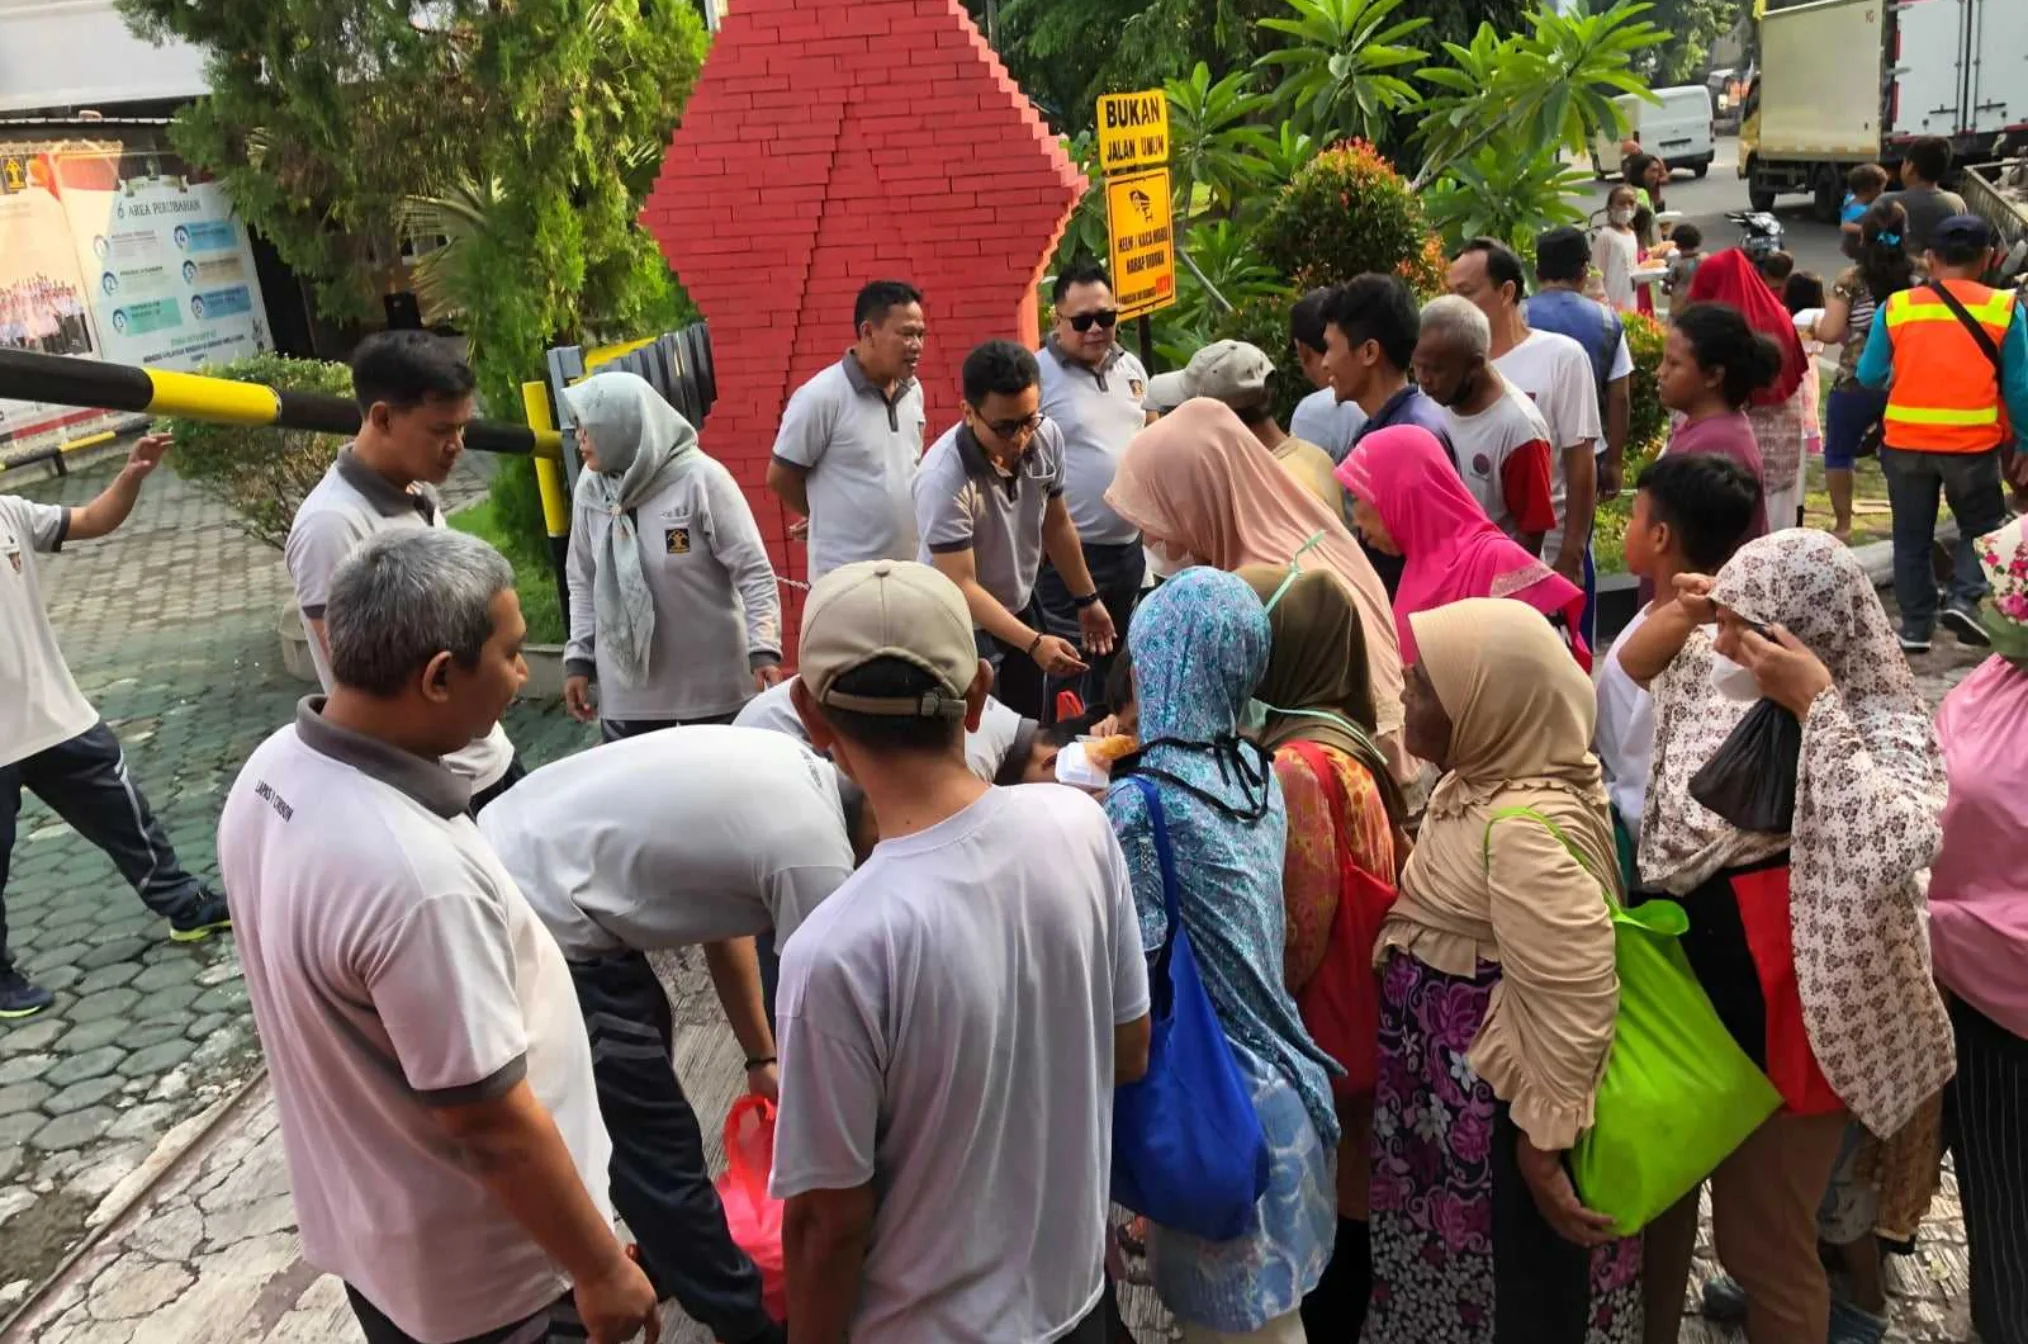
(989, 504)
(430, 1066)
(1093, 390)
(415, 399)
(851, 436)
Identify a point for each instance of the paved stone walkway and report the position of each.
(126, 1109)
(169, 627)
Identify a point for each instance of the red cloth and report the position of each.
(1731, 278)
(1529, 488)
(1763, 897)
(1451, 550)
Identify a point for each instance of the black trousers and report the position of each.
(660, 1184)
(615, 730)
(516, 772)
(1018, 680)
(85, 781)
(1985, 1116)
(1118, 571)
(554, 1324)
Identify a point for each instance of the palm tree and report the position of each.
(1345, 69)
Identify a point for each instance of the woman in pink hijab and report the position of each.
(1407, 500)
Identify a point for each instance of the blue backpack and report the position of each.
(1188, 1150)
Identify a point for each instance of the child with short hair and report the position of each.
(1775, 268)
(1863, 186)
(1617, 249)
(1689, 241)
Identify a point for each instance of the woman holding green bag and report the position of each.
(1811, 944)
(1498, 995)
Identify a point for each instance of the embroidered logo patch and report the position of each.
(676, 540)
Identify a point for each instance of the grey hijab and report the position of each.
(643, 446)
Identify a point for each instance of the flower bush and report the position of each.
(1649, 423)
(1346, 213)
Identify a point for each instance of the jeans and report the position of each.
(1118, 571)
(85, 781)
(660, 1183)
(552, 1325)
(1970, 482)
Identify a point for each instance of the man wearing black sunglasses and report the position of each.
(1092, 390)
(989, 505)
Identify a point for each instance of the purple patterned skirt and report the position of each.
(1461, 1255)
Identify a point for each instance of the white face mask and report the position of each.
(1620, 216)
(1733, 681)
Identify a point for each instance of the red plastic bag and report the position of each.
(754, 1218)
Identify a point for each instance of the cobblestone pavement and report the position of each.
(169, 627)
(126, 1108)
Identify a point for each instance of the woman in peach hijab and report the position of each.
(1203, 491)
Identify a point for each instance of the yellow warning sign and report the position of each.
(1142, 246)
(1133, 131)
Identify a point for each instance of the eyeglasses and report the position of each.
(1107, 319)
(1014, 429)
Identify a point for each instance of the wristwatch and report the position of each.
(1082, 602)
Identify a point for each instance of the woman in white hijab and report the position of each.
(673, 608)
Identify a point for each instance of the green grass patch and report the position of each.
(534, 579)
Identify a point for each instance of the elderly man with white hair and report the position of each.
(430, 1065)
(1501, 442)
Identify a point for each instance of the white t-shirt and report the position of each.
(946, 1033)
(1625, 736)
(689, 835)
(985, 751)
(1503, 455)
(40, 704)
(1557, 376)
(393, 967)
(1616, 255)
(351, 504)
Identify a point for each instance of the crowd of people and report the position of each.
(1317, 967)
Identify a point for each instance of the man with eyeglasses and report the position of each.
(989, 504)
(1092, 389)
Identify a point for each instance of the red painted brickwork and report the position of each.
(829, 144)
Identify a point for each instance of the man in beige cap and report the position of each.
(1237, 374)
(954, 1018)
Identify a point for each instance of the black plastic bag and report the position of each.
(1751, 779)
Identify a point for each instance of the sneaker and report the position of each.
(1914, 643)
(18, 998)
(1966, 626)
(1724, 1300)
(207, 917)
(1851, 1324)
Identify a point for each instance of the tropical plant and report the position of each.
(1649, 420)
(1084, 234)
(1346, 69)
(1505, 191)
(258, 472)
(1290, 153)
(1214, 142)
(1224, 272)
(1350, 212)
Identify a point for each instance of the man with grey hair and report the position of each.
(1500, 440)
(431, 1068)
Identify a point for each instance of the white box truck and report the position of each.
(1845, 82)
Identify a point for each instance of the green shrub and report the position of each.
(1649, 423)
(261, 473)
(1265, 322)
(1346, 213)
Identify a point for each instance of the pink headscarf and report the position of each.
(1451, 549)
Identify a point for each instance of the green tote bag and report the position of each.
(1678, 1095)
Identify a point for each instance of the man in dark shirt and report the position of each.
(1927, 163)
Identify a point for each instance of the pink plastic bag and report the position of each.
(754, 1218)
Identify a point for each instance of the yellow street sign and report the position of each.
(1143, 250)
(1133, 131)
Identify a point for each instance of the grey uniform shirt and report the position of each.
(1329, 423)
(691, 835)
(963, 502)
(351, 504)
(1927, 207)
(1097, 410)
(717, 612)
(393, 968)
(40, 704)
(859, 448)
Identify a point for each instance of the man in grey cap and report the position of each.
(1237, 374)
(954, 1018)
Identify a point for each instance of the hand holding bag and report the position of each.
(1751, 779)
(753, 1218)
(1188, 1150)
(1678, 1094)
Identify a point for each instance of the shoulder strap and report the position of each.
(1159, 825)
(1334, 788)
(1667, 918)
(1980, 334)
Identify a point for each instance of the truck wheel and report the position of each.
(1700, 168)
(1759, 194)
(1827, 195)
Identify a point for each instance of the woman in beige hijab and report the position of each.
(1498, 993)
(1203, 491)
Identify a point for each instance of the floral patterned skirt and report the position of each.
(1460, 1253)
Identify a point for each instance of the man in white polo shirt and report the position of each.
(415, 399)
(989, 504)
(53, 742)
(851, 436)
(1092, 390)
(698, 835)
(955, 1017)
(429, 1062)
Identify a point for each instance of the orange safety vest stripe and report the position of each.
(1946, 394)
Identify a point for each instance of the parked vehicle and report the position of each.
(1845, 82)
(1678, 130)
